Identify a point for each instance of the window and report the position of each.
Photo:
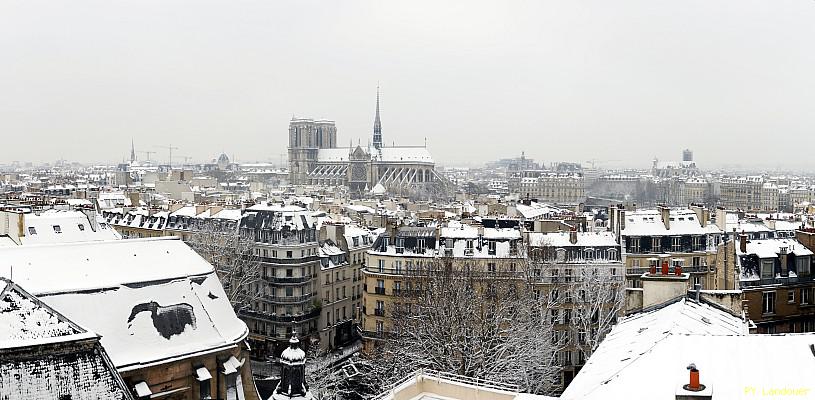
(32, 230)
(289, 254)
(567, 316)
(697, 261)
(802, 265)
(806, 295)
(381, 265)
(491, 267)
(635, 263)
(553, 295)
(380, 327)
(768, 302)
(57, 229)
(635, 245)
(555, 314)
(790, 296)
(289, 291)
(289, 273)
(675, 243)
(656, 243)
(767, 269)
(81, 227)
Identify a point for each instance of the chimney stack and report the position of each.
(665, 212)
(573, 236)
(743, 243)
(694, 384)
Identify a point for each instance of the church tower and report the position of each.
(377, 124)
(132, 152)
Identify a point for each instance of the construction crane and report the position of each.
(170, 148)
(147, 153)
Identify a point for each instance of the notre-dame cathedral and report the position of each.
(315, 159)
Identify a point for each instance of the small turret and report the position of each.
(293, 374)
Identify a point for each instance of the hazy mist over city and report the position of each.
(561, 80)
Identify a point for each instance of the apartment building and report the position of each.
(342, 258)
(577, 265)
(398, 253)
(285, 241)
(775, 275)
(681, 237)
(548, 186)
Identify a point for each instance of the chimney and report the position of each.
(573, 236)
(743, 243)
(694, 389)
(694, 384)
(665, 212)
(783, 257)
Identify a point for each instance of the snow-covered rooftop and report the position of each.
(157, 301)
(771, 248)
(650, 223)
(645, 356)
(562, 239)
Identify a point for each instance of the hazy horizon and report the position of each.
(562, 81)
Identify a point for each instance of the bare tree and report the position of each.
(598, 301)
(483, 324)
(231, 253)
(327, 381)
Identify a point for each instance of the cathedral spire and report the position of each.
(377, 123)
(132, 151)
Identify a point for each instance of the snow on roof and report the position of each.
(333, 155)
(645, 356)
(25, 321)
(562, 239)
(501, 233)
(460, 231)
(746, 225)
(186, 211)
(159, 301)
(535, 210)
(230, 214)
(649, 223)
(360, 208)
(59, 226)
(400, 154)
(771, 248)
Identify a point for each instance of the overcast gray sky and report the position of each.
(561, 80)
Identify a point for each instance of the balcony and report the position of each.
(289, 299)
(279, 318)
(694, 269)
(379, 290)
(288, 279)
(284, 261)
(781, 280)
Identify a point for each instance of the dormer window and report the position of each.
(32, 230)
(81, 227)
(57, 229)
